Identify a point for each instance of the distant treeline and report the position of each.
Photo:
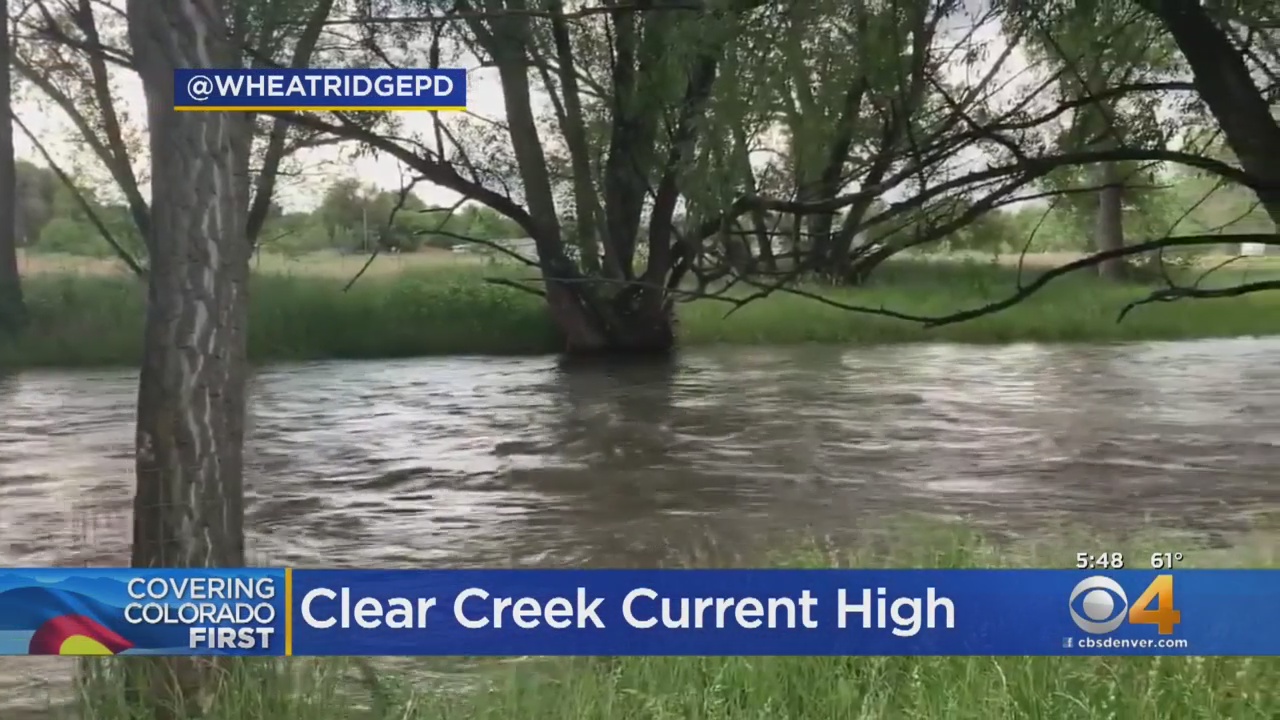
(350, 217)
(353, 217)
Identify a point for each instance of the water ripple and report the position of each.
(467, 461)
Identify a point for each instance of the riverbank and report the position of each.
(299, 312)
(772, 688)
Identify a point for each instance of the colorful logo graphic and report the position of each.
(76, 635)
(48, 612)
(1103, 605)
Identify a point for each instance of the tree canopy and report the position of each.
(650, 148)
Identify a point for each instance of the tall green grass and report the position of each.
(97, 320)
(763, 688)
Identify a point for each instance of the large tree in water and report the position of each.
(597, 183)
(191, 399)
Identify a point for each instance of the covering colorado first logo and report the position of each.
(122, 612)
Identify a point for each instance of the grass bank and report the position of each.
(300, 312)
(767, 688)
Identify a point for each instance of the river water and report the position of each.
(493, 461)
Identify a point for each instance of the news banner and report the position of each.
(284, 612)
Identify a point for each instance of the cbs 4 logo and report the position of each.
(1098, 605)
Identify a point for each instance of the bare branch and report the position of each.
(265, 186)
(85, 205)
(505, 282)
(405, 191)
(437, 171)
(120, 168)
(1179, 293)
(1090, 261)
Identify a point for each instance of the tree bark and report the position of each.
(595, 320)
(759, 222)
(574, 129)
(13, 313)
(191, 395)
(1109, 221)
(188, 510)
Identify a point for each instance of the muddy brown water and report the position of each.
(522, 462)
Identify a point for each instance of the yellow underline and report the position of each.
(288, 612)
(278, 108)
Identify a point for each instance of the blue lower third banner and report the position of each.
(263, 90)
(643, 612)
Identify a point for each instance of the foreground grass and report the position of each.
(764, 688)
(299, 311)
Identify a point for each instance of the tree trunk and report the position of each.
(1109, 221)
(1225, 83)
(859, 273)
(765, 259)
(595, 319)
(13, 313)
(188, 511)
